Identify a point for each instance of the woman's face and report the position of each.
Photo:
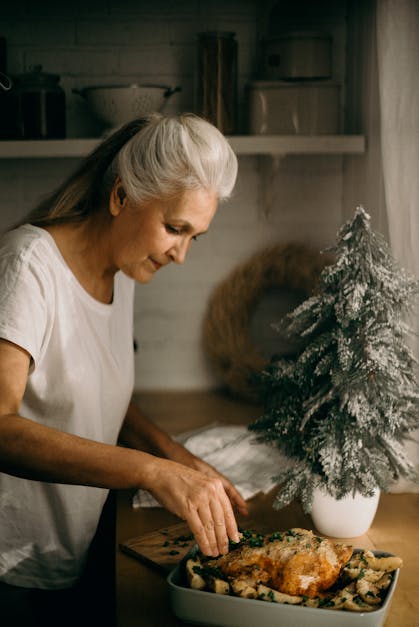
(147, 236)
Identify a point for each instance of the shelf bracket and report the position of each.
(268, 167)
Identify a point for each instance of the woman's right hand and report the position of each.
(198, 499)
(38, 452)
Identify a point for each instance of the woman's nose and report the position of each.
(178, 252)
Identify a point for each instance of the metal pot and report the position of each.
(115, 105)
(40, 105)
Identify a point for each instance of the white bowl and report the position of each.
(115, 105)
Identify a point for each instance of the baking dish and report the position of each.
(218, 610)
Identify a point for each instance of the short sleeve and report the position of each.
(26, 301)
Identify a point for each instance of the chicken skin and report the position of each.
(295, 562)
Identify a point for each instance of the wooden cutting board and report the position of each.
(161, 549)
(164, 548)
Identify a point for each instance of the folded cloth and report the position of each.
(233, 451)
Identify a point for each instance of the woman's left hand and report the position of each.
(180, 454)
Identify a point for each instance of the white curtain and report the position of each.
(397, 23)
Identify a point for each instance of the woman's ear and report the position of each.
(117, 198)
(121, 195)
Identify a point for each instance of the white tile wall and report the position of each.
(94, 42)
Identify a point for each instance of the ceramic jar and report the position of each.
(348, 517)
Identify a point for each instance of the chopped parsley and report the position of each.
(179, 539)
(255, 541)
(276, 535)
(208, 571)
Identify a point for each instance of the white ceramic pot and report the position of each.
(349, 517)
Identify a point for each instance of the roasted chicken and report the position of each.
(295, 562)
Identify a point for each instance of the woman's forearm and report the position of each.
(141, 433)
(37, 452)
(41, 453)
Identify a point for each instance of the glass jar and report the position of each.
(40, 105)
(7, 110)
(217, 79)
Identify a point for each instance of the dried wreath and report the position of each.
(226, 329)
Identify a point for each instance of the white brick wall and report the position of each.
(95, 42)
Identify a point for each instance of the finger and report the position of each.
(236, 498)
(230, 520)
(208, 527)
(220, 530)
(199, 532)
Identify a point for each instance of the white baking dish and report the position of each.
(281, 107)
(218, 610)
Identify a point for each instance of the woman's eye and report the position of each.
(172, 229)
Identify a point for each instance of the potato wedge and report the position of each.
(242, 588)
(368, 592)
(269, 594)
(219, 586)
(196, 581)
(337, 602)
(358, 606)
(386, 564)
(384, 582)
(363, 573)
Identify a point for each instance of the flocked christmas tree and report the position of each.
(343, 407)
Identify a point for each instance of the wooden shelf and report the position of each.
(297, 144)
(46, 148)
(242, 145)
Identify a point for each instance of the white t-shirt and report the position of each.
(80, 381)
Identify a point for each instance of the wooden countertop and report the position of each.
(141, 592)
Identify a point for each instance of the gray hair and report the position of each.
(156, 156)
(171, 154)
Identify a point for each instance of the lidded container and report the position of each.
(298, 55)
(40, 105)
(217, 79)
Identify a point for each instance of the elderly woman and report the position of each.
(67, 278)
